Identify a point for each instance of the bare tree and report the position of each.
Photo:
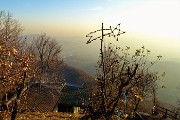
(48, 54)
(47, 50)
(119, 75)
(20, 63)
(10, 29)
(17, 64)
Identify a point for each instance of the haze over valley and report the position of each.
(89, 59)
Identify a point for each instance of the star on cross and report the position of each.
(115, 32)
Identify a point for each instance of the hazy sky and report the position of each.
(155, 23)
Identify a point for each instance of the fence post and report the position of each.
(166, 113)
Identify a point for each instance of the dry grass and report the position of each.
(42, 116)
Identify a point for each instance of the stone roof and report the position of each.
(40, 98)
(44, 98)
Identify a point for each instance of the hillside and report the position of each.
(76, 76)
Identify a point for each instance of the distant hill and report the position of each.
(85, 64)
(76, 76)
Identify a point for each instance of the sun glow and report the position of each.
(155, 18)
(159, 19)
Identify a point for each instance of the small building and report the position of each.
(46, 98)
(72, 98)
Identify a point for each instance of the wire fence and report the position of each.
(168, 113)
